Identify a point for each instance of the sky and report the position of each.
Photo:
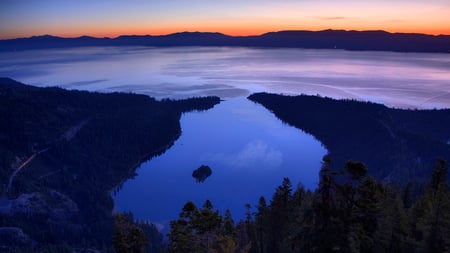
(110, 18)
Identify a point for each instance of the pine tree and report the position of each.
(362, 197)
(298, 204)
(226, 245)
(243, 239)
(182, 235)
(128, 238)
(431, 214)
(392, 228)
(207, 224)
(228, 224)
(261, 227)
(280, 217)
(349, 213)
(325, 231)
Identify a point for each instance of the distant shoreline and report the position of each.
(326, 39)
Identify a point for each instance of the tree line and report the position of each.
(121, 131)
(348, 212)
(399, 144)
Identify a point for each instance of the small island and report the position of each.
(202, 173)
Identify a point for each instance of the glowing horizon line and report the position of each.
(113, 35)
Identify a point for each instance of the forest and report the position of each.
(396, 145)
(80, 146)
(383, 186)
(358, 214)
(396, 200)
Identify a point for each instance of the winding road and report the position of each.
(66, 136)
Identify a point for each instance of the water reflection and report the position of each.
(396, 79)
(248, 150)
(256, 154)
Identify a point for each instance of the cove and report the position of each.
(249, 150)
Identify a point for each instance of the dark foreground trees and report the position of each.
(205, 230)
(349, 212)
(127, 236)
(81, 145)
(131, 236)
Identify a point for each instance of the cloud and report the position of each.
(256, 154)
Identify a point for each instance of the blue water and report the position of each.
(412, 80)
(248, 149)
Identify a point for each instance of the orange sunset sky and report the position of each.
(110, 18)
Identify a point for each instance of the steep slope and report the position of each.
(395, 144)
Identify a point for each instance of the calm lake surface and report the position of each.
(396, 79)
(248, 149)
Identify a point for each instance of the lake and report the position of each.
(418, 80)
(248, 149)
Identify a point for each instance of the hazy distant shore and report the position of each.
(327, 39)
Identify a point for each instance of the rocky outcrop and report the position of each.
(56, 205)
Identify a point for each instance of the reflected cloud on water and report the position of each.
(255, 155)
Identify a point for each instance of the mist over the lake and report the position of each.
(407, 80)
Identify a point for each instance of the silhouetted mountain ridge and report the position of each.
(327, 39)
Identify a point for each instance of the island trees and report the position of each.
(202, 173)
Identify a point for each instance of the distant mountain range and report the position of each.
(327, 39)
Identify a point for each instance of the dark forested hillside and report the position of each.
(395, 144)
(63, 152)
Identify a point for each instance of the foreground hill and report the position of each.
(63, 152)
(398, 145)
(328, 39)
